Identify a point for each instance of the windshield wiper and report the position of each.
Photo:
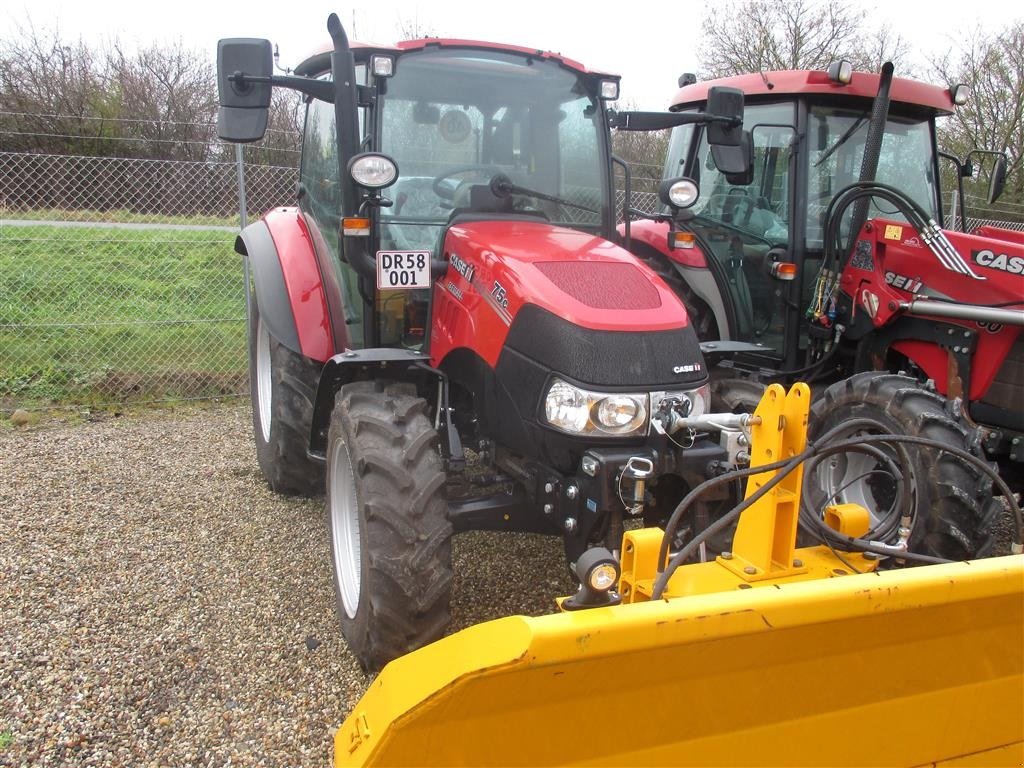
(502, 186)
(842, 139)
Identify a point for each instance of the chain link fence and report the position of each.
(119, 280)
(118, 277)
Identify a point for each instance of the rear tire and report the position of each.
(953, 500)
(736, 395)
(388, 520)
(282, 387)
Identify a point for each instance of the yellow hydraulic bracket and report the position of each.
(764, 548)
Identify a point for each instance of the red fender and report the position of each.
(303, 281)
(654, 234)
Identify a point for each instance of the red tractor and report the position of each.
(449, 278)
(815, 250)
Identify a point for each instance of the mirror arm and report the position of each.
(657, 121)
(960, 173)
(323, 90)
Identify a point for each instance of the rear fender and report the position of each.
(654, 234)
(289, 288)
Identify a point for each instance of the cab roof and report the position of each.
(767, 85)
(319, 61)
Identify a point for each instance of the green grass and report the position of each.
(105, 314)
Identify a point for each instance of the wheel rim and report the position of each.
(263, 381)
(344, 513)
(847, 478)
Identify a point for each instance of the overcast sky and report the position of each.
(649, 49)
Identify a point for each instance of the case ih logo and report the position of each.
(1012, 264)
(464, 269)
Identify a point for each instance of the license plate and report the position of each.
(403, 270)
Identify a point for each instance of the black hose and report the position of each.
(673, 520)
(818, 449)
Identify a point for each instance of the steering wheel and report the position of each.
(447, 192)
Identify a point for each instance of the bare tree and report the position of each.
(52, 94)
(414, 28)
(169, 94)
(158, 102)
(757, 36)
(993, 118)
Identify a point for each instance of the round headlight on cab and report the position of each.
(679, 193)
(373, 170)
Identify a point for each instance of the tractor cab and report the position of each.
(764, 226)
(468, 129)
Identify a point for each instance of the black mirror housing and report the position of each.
(725, 103)
(244, 106)
(737, 163)
(998, 181)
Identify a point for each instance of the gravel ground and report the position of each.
(161, 607)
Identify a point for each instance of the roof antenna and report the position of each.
(768, 84)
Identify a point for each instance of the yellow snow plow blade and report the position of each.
(912, 667)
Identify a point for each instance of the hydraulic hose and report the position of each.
(785, 467)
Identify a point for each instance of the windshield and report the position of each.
(453, 119)
(837, 138)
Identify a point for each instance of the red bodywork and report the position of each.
(303, 280)
(582, 278)
(654, 234)
(816, 83)
(899, 256)
(319, 61)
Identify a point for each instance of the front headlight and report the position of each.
(580, 412)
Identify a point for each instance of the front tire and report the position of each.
(388, 522)
(953, 505)
(282, 387)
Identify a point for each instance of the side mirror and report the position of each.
(244, 106)
(737, 163)
(998, 181)
(727, 103)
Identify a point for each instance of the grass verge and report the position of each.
(103, 314)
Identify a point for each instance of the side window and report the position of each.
(758, 209)
(319, 172)
(319, 169)
(578, 180)
(318, 175)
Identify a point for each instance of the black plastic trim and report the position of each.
(256, 244)
(634, 360)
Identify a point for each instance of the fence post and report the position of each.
(243, 222)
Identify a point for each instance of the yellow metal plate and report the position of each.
(905, 667)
